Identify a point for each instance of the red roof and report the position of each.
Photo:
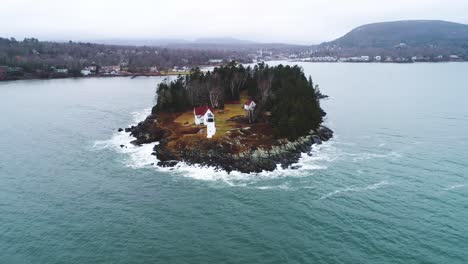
(201, 110)
(248, 102)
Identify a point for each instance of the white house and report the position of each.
(203, 115)
(113, 70)
(61, 70)
(215, 61)
(85, 72)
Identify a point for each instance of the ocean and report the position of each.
(390, 187)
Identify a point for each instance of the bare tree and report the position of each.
(264, 85)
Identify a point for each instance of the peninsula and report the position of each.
(249, 119)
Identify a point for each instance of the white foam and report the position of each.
(140, 156)
(137, 156)
(355, 189)
(367, 156)
(141, 115)
(284, 187)
(306, 165)
(453, 187)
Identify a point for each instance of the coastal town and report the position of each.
(383, 59)
(14, 73)
(34, 59)
(123, 69)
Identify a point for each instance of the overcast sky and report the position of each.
(289, 21)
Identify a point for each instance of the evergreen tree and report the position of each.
(284, 91)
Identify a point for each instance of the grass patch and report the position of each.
(165, 73)
(221, 116)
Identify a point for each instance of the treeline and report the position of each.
(285, 97)
(198, 88)
(34, 56)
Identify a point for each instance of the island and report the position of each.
(235, 118)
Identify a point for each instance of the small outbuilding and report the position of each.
(249, 106)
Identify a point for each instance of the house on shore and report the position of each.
(110, 70)
(60, 70)
(215, 61)
(85, 72)
(7, 72)
(203, 115)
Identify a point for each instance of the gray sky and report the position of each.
(289, 21)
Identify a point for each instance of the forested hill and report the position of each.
(33, 55)
(414, 33)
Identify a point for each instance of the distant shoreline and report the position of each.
(133, 75)
(380, 62)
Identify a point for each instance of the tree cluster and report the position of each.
(284, 96)
(39, 56)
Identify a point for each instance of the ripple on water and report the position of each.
(370, 187)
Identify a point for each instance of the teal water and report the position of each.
(391, 187)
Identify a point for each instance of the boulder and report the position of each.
(316, 140)
(325, 133)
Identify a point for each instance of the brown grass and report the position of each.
(222, 117)
(166, 73)
(185, 133)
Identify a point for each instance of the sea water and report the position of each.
(391, 187)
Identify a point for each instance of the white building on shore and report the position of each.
(203, 115)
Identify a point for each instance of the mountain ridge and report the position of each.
(416, 33)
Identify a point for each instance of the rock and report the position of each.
(122, 146)
(120, 130)
(316, 139)
(228, 155)
(325, 133)
(169, 164)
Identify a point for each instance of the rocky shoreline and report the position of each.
(224, 154)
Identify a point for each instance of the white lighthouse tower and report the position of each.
(210, 126)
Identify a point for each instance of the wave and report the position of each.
(367, 155)
(355, 189)
(141, 115)
(138, 156)
(453, 187)
(320, 156)
(275, 187)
